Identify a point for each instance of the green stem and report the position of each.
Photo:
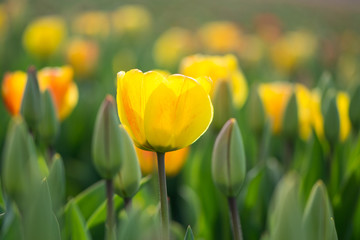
(110, 220)
(163, 196)
(235, 219)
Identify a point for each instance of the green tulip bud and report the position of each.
(256, 113)
(31, 101)
(49, 122)
(106, 142)
(228, 159)
(355, 109)
(318, 215)
(20, 170)
(331, 119)
(290, 118)
(56, 182)
(127, 180)
(223, 104)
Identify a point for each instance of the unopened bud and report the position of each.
(223, 104)
(228, 159)
(49, 122)
(31, 101)
(355, 109)
(127, 180)
(256, 113)
(290, 118)
(106, 142)
(331, 119)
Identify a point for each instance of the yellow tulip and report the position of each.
(172, 45)
(343, 104)
(220, 37)
(275, 97)
(292, 49)
(83, 56)
(59, 81)
(218, 68)
(131, 19)
(92, 24)
(160, 113)
(174, 161)
(43, 36)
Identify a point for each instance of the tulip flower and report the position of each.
(43, 36)
(83, 56)
(92, 24)
(340, 111)
(220, 37)
(174, 161)
(162, 114)
(59, 81)
(172, 45)
(131, 19)
(218, 68)
(275, 97)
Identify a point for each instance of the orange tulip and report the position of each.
(59, 81)
(174, 161)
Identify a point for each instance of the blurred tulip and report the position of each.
(107, 144)
(292, 49)
(220, 37)
(218, 68)
(59, 81)
(131, 19)
(268, 27)
(12, 90)
(93, 24)
(228, 160)
(253, 49)
(43, 36)
(83, 56)
(160, 113)
(275, 98)
(174, 161)
(335, 115)
(172, 45)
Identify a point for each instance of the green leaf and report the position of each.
(90, 199)
(189, 234)
(11, 226)
(75, 227)
(99, 215)
(56, 180)
(285, 217)
(318, 213)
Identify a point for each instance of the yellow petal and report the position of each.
(206, 83)
(303, 98)
(239, 89)
(133, 91)
(69, 102)
(343, 104)
(177, 113)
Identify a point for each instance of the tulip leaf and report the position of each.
(75, 227)
(99, 215)
(89, 200)
(318, 214)
(189, 234)
(11, 224)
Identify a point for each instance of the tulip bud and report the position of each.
(355, 109)
(31, 101)
(106, 142)
(331, 120)
(290, 118)
(223, 104)
(127, 180)
(49, 122)
(256, 111)
(56, 182)
(20, 170)
(228, 159)
(318, 213)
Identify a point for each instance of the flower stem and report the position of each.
(235, 220)
(110, 221)
(163, 196)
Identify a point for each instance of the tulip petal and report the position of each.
(69, 102)
(177, 113)
(134, 90)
